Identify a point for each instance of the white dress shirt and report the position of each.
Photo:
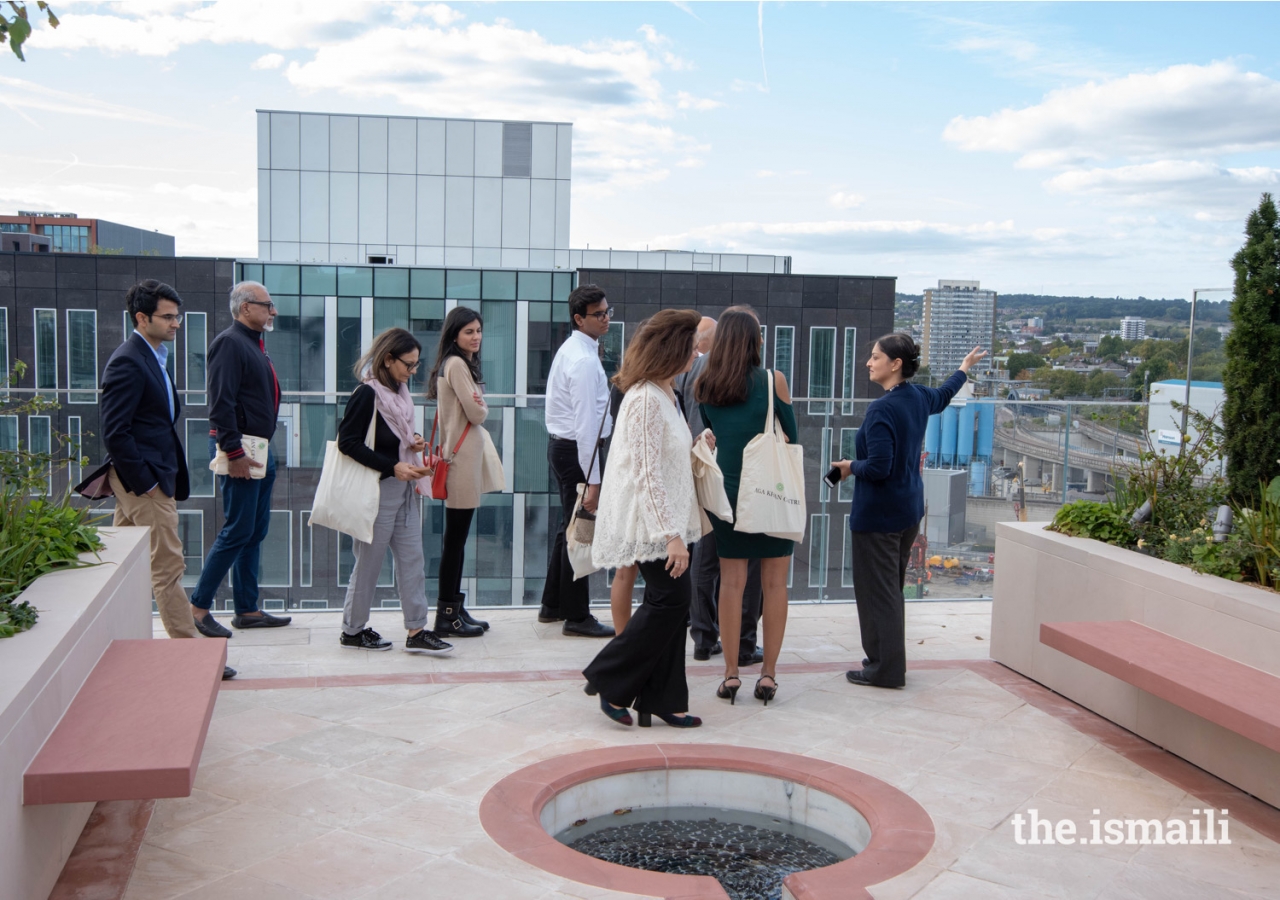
(578, 397)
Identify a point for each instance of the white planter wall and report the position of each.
(81, 613)
(1043, 576)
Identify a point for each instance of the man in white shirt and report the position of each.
(577, 402)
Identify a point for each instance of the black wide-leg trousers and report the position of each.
(643, 667)
(879, 573)
(562, 594)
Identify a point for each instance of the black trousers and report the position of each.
(704, 618)
(644, 666)
(879, 573)
(562, 595)
(457, 525)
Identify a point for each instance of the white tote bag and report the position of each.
(708, 482)
(579, 552)
(771, 490)
(348, 494)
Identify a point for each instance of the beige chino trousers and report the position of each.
(160, 514)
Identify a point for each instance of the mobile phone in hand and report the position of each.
(832, 478)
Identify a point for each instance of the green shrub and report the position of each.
(1100, 521)
(1197, 549)
(38, 534)
(1260, 530)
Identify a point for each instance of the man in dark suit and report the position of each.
(148, 473)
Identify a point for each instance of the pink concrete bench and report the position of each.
(136, 728)
(1237, 697)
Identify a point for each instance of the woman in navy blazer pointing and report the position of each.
(888, 500)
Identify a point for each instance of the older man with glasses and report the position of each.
(577, 405)
(244, 402)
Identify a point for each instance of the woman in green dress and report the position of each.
(734, 392)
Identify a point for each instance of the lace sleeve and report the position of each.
(646, 443)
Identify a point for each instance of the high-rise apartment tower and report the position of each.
(958, 316)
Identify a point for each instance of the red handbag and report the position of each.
(434, 460)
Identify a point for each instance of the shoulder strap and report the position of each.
(596, 449)
(458, 445)
(370, 437)
(768, 422)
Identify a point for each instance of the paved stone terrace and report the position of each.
(332, 774)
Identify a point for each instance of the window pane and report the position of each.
(426, 283)
(251, 272)
(426, 321)
(818, 550)
(198, 457)
(499, 286)
(82, 354)
(46, 321)
(850, 360)
(541, 518)
(348, 341)
(74, 451)
(493, 529)
(4, 347)
(544, 339)
(283, 344)
(822, 368)
(355, 281)
(40, 441)
(389, 314)
(391, 282)
(784, 337)
(535, 286)
(347, 562)
(561, 286)
(311, 343)
(9, 433)
(530, 470)
(196, 327)
(280, 280)
(499, 349)
(277, 551)
(848, 450)
(611, 344)
(191, 533)
(463, 284)
(320, 280)
(319, 426)
(304, 546)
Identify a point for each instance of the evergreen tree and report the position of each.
(1251, 414)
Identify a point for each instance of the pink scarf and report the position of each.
(396, 408)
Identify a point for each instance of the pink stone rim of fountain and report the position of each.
(901, 831)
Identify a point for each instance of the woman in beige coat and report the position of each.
(455, 385)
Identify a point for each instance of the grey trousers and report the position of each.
(398, 526)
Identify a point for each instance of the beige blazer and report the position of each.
(456, 402)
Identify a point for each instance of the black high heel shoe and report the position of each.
(685, 721)
(728, 691)
(618, 714)
(766, 692)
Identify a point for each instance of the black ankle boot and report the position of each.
(449, 621)
(466, 616)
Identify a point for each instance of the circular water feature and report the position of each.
(748, 853)
(621, 818)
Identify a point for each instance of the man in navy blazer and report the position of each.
(148, 474)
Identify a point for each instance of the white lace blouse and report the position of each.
(647, 493)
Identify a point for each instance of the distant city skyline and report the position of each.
(1075, 149)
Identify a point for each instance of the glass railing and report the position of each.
(984, 461)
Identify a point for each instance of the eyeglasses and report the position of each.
(175, 318)
(603, 315)
(267, 304)
(411, 366)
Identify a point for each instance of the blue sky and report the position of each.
(1052, 148)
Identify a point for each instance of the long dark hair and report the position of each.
(660, 349)
(395, 342)
(735, 353)
(901, 346)
(459, 318)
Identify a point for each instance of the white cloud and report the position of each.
(268, 61)
(203, 193)
(1184, 109)
(1164, 176)
(21, 94)
(846, 200)
(685, 100)
(842, 237)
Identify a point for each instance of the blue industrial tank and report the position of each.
(986, 430)
(950, 418)
(932, 438)
(964, 439)
(978, 479)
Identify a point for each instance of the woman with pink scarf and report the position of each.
(397, 454)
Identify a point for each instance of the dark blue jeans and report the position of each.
(246, 506)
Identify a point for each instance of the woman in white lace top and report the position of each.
(648, 515)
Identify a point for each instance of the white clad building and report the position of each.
(413, 191)
(1133, 328)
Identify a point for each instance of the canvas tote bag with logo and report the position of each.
(348, 494)
(771, 490)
